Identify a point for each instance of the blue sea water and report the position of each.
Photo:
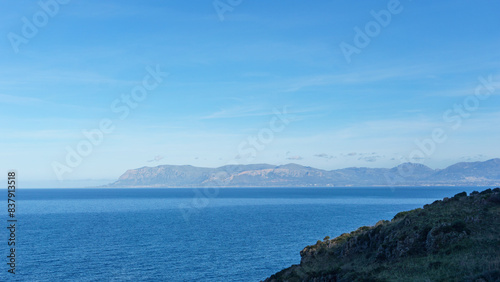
(229, 234)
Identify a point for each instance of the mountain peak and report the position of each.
(292, 166)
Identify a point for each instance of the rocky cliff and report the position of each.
(456, 239)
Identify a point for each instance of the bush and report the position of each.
(458, 226)
(361, 229)
(435, 264)
(401, 215)
(492, 275)
(342, 238)
(381, 222)
(495, 198)
(423, 234)
(363, 238)
(487, 191)
(381, 257)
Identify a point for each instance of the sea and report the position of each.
(205, 234)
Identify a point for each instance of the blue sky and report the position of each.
(228, 74)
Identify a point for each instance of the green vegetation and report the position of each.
(456, 239)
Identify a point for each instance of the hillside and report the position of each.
(456, 239)
(293, 175)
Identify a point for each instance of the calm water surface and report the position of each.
(240, 234)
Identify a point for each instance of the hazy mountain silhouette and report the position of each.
(294, 175)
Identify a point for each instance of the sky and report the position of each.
(89, 89)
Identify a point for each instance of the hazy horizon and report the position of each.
(95, 183)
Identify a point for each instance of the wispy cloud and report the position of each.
(470, 88)
(156, 159)
(356, 77)
(370, 158)
(106, 10)
(325, 156)
(239, 112)
(37, 102)
(478, 157)
(61, 76)
(293, 113)
(47, 134)
(18, 99)
(291, 157)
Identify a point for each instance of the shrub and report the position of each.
(435, 264)
(463, 194)
(361, 229)
(423, 234)
(487, 191)
(381, 222)
(492, 275)
(401, 215)
(381, 257)
(341, 239)
(458, 226)
(495, 198)
(364, 238)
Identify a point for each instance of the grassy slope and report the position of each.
(455, 239)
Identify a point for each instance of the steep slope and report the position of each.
(454, 239)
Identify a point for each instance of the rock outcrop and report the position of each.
(456, 239)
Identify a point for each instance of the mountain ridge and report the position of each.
(294, 175)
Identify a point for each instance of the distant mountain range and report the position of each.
(294, 175)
